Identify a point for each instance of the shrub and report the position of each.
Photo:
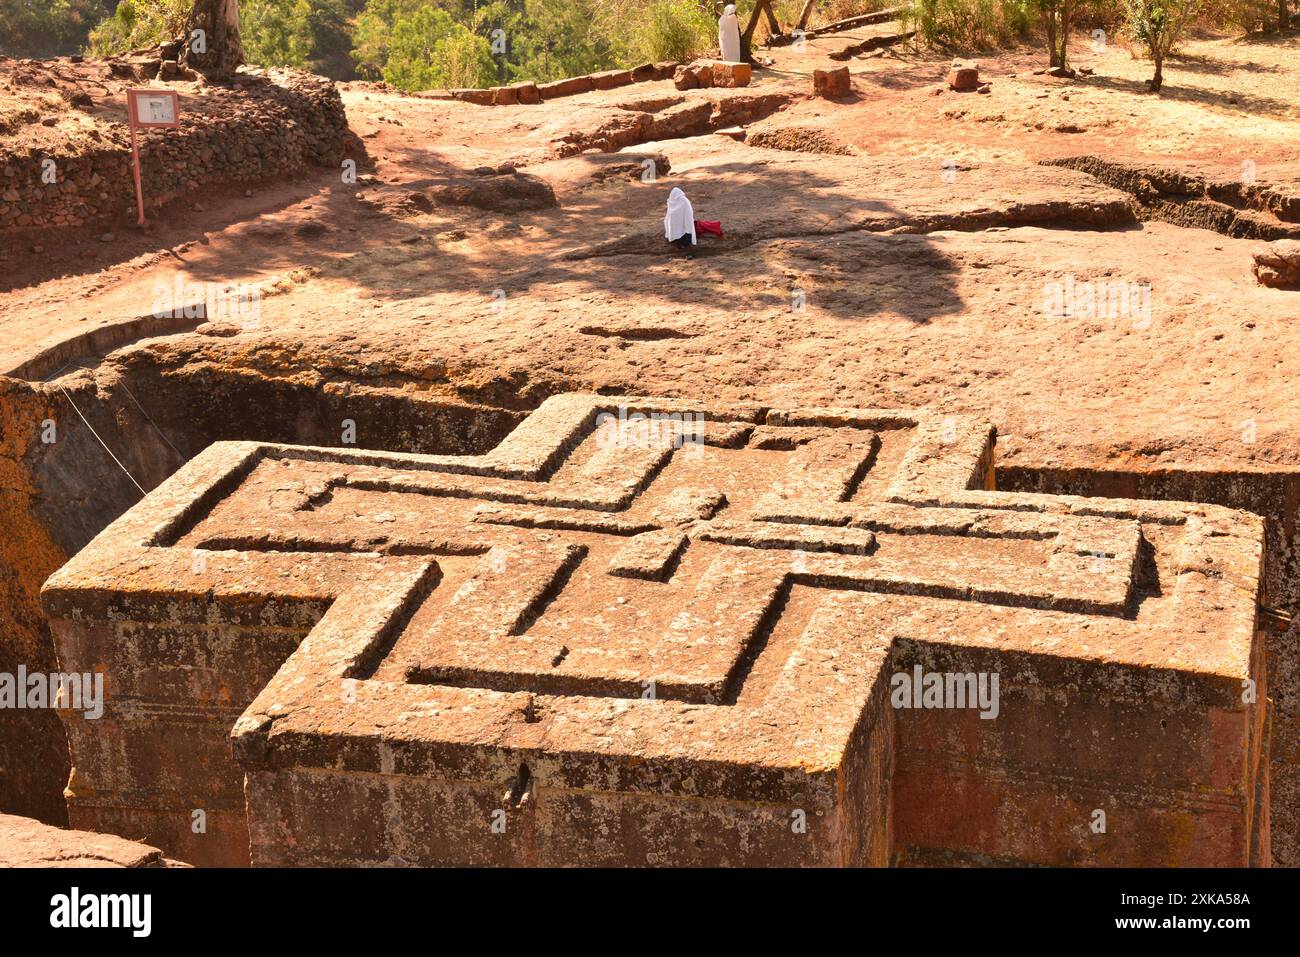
(973, 24)
(672, 30)
(1245, 15)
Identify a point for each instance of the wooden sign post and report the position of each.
(149, 109)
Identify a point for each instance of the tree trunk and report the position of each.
(807, 10)
(773, 24)
(1159, 78)
(1053, 56)
(1283, 16)
(219, 50)
(747, 38)
(1065, 33)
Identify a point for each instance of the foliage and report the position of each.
(971, 24)
(1157, 25)
(137, 24)
(275, 32)
(416, 44)
(552, 39)
(423, 48)
(1245, 15)
(670, 30)
(35, 28)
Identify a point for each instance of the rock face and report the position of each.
(267, 125)
(964, 76)
(1278, 264)
(28, 843)
(832, 84)
(796, 139)
(539, 655)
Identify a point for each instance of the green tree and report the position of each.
(329, 25)
(42, 28)
(275, 32)
(314, 35)
(136, 24)
(549, 39)
(426, 48)
(373, 33)
(1158, 25)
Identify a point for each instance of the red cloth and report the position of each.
(712, 227)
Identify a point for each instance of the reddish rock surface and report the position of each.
(660, 632)
(832, 84)
(1278, 264)
(28, 843)
(693, 76)
(964, 76)
(912, 252)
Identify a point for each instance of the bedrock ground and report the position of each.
(904, 247)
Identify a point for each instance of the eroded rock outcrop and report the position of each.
(1278, 264)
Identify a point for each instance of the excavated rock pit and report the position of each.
(154, 407)
(903, 263)
(135, 420)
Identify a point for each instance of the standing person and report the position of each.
(679, 221)
(729, 34)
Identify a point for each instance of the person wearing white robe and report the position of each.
(679, 221)
(729, 34)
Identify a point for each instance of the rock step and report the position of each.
(1228, 206)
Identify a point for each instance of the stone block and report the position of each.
(527, 93)
(1277, 264)
(653, 631)
(964, 76)
(611, 79)
(569, 87)
(729, 74)
(478, 97)
(832, 84)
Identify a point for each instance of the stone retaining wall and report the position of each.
(269, 124)
(530, 93)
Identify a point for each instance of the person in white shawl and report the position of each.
(729, 34)
(679, 221)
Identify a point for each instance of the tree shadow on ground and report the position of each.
(1236, 102)
(1202, 63)
(607, 241)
